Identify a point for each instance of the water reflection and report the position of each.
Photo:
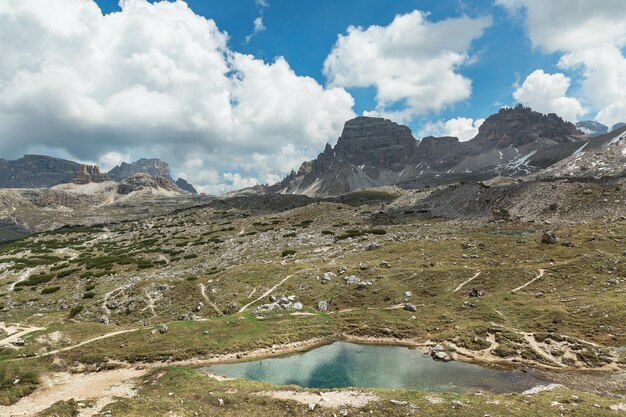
(393, 367)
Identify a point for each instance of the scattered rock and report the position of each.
(163, 328)
(410, 307)
(297, 306)
(408, 294)
(342, 270)
(542, 388)
(568, 244)
(475, 292)
(365, 284)
(396, 402)
(549, 238)
(385, 264)
(363, 266)
(104, 319)
(352, 279)
(272, 298)
(327, 277)
(322, 306)
(19, 342)
(439, 353)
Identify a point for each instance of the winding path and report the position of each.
(268, 292)
(521, 287)
(95, 339)
(467, 282)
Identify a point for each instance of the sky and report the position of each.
(232, 93)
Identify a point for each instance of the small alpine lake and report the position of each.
(342, 365)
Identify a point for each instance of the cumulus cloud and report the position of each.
(461, 127)
(154, 80)
(413, 63)
(547, 93)
(591, 36)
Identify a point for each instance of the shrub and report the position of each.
(90, 287)
(35, 280)
(89, 294)
(76, 310)
(288, 252)
(50, 290)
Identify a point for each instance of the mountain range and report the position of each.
(374, 152)
(40, 171)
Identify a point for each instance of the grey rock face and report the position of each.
(153, 167)
(185, 186)
(592, 128)
(36, 171)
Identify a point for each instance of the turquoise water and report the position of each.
(342, 365)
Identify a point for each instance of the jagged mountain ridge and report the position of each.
(41, 171)
(154, 167)
(374, 152)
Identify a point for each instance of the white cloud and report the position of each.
(591, 36)
(258, 28)
(154, 80)
(460, 127)
(412, 62)
(112, 159)
(262, 3)
(547, 93)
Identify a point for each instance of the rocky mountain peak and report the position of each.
(89, 173)
(185, 186)
(519, 125)
(140, 181)
(592, 128)
(376, 141)
(154, 167)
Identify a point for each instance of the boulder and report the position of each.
(322, 306)
(351, 279)
(410, 307)
(476, 292)
(549, 238)
(163, 328)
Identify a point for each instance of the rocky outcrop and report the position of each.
(185, 186)
(154, 167)
(141, 181)
(617, 126)
(591, 128)
(36, 171)
(89, 173)
(519, 126)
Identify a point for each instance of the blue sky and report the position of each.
(228, 106)
(304, 32)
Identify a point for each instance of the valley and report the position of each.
(246, 277)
